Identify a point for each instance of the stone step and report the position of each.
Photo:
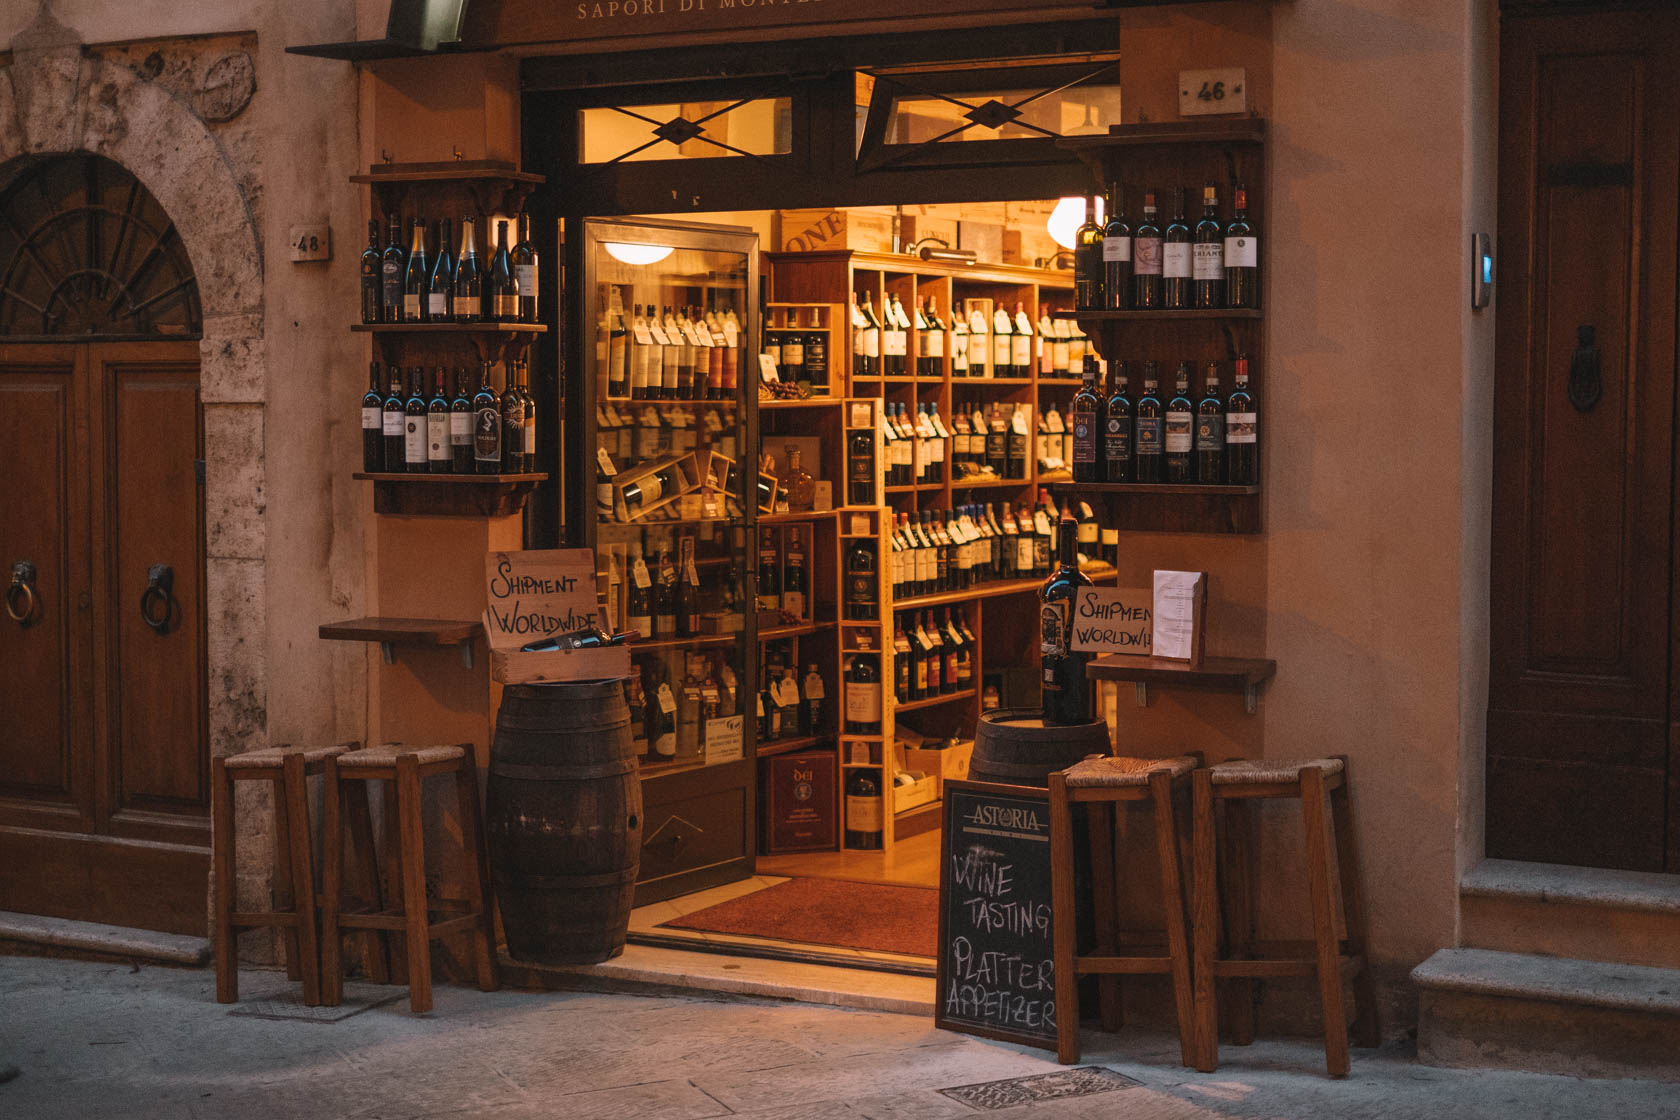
(1478, 1007)
(93, 937)
(1589, 913)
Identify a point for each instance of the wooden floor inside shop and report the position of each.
(912, 862)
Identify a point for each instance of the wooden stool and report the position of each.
(1101, 783)
(1338, 945)
(289, 769)
(403, 768)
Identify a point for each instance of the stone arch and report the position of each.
(56, 98)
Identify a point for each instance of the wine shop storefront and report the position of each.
(773, 237)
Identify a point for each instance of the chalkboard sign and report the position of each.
(996, 975)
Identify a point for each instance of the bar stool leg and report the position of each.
(222, 872)
(332, 886)
(1061, 911)
(1238, 914)
(478, 867)
(282, 874)
(1172, 903)
(1102, 820)
(1315, 816)
(1366, 1031)
(296, 785)
(360, 820)
(395, 946)
(414, 884)
(1205, 927)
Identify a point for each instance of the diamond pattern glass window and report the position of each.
(686, 130)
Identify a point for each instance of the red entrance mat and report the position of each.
(882, 917)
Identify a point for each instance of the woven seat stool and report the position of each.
(403, 768)
(289, 769)
(1223, 924)
(1103, 785)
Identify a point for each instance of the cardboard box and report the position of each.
(811, 231)
(950, 764)
(801, 802)
(917, 793)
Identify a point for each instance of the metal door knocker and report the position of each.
(20, 595)
(159, 594)
(1585, 383)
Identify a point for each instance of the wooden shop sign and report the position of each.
(531, 595)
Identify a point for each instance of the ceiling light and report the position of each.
(1066, 219)
(636, 252)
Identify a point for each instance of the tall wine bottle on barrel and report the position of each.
(1067, 693)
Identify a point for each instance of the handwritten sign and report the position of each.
(1114, 620)
(996, 972)
(530, 595)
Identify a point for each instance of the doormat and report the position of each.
(287, 1003)
(1086, 1081)
(881, 917)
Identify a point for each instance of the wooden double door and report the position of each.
(103, 720)
(1583, 743)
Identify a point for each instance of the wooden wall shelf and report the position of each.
(393, 632)
(1084, 317)
(450, 328)
(450, 495)
(1224, 674)
(494, 342)
(495, 188)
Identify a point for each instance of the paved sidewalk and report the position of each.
(114, 1040)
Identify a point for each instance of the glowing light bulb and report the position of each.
(636, 253)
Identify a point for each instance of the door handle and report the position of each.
(159, 593)
(1586, 384)
(20, 594)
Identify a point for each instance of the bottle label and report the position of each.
(1178, 432)
(1147, 262)
(1175, 260)
(1087, 533)
(1084, 437)
(1241, 427)
(1000, 350)
(872, 343)
(793, 353)
(976, 350)
(372, 419)
(1020, 350)
(460, 429)
(487, 435)
(530, 434)
(392, 424)
(863, 814)
(507, 306)
(1024, 552)
(860, 587)
(933, 344)
(468, 307)
(1210, 433)
(1209, 261)
(794, 603)
(1117, 439)
(1052, 627)
(411, 306)
(863, 701)
(1117, 248)
(527, 276)
(437, 435)
(414, 440)
(1148, 435)
(1242, 252)
(437, 305)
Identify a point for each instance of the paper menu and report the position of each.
(1180, 600)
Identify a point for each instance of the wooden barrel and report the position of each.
(563, 819)
(1016, 747)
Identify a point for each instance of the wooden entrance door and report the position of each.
(1581, 748)
(103, 736)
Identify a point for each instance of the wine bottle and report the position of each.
(1147, 444)
(373, 421)
(391, 422)
(1180, 428)
(438, 453)
(665, 596)
(863, 694)
(371, 280)
(1175, 258)
(933, 341)
(638, 600)
(688, 591)
(587, 637)
(415, 276)
(525, 271)
(391, 264)
(461, 427)
(487, 426)
(513, 423)
(469, 277)
(1086, 418)
(1088, 260)
(1003, 330)
(530, 442)
(1089, 531)
(769, 573)
(1210, 430)
(503, 284)
(1117, 253)
(864, 816)
(1207, 263)
(1242, 430)
(1146, 260)
(872, 331)
(1242, 255)
(440, 286)
(1066, 692)
(1021, 343)
(1117, 430)
(414, 422)
(794, 589)
(861, 469)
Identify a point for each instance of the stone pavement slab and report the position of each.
(115, 1041)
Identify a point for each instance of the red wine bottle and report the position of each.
(1066, 692)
